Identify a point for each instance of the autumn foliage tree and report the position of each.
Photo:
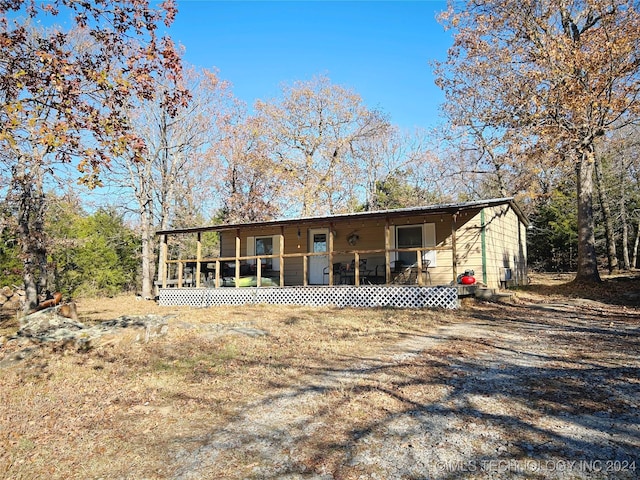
(554, 76)
(62, 97)
(313, 133)
(249, 184)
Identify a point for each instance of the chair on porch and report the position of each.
(425, 268)
(400, 272)
(367, 274)
(404, 274)
(337, 274)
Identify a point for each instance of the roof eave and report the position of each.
(432, 209)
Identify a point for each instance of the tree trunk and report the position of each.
(31, 208)
(29, 278)
(612, 255)
(163, 225)
(625, 232)
(634, 257)
(587, 271)
(148, 256)
(40, 212)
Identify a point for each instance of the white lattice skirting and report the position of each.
(401, 296)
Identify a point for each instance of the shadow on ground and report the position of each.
(524, 391)
(621, 289)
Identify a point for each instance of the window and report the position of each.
(320, 242)
(264, 246)
(408, 237)
(416, 236)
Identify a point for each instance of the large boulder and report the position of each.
(50, 325)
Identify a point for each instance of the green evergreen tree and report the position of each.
(91, 254)
(552, 237)
(397, 191)
(10, 264)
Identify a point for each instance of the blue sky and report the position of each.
(379, 49)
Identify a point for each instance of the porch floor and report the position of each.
(400, 296)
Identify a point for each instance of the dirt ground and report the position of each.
(546, 387)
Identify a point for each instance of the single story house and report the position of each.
(356, 255)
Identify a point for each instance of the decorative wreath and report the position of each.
(353, 238)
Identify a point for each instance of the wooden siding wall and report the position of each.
(504, 246)
(469, 243)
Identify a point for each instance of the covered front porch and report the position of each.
(340, 250)
(355, 267)
(372, 258)
(350, 278)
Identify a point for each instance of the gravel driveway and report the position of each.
(511, 391)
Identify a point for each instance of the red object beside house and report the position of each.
(467, 280)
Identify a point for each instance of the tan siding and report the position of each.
(505, 244)
(227, 244)
(469, 244)
(292, 244)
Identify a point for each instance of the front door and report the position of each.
(318, 264)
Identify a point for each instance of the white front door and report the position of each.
(318, 264)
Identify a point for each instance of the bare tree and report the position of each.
(172, 182)
(249, 184)
(617, 169)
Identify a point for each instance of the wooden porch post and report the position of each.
(305, 270)
(330, 245)
(282, 256)
(387, 245)
(454, 253)
(237, 258)
(198, 259)
(164, 249)
(356, 268)
(258, 272)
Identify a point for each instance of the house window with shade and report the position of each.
(415, 236)
(268, 245)
(408, 237)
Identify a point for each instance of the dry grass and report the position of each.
(616, 289)
(122, 409)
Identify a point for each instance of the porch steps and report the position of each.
(483, 292)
